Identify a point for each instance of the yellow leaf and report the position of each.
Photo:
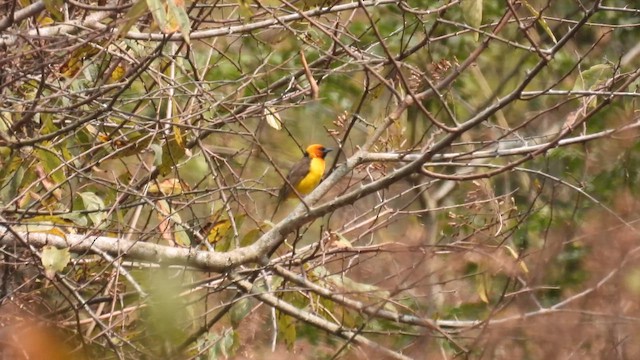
(515, 255)
(45, 20)
(219, 230)
(177, 132)
(118, 73)
(481, 288)
(71, 67)
(54, 260)
(537, 184)
(218, 235)
(103, 138)
(57, 231)
(75, 62)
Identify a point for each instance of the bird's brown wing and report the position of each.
(296, 174)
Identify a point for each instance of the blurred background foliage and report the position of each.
(174, 122)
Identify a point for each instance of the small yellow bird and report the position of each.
(305, 175)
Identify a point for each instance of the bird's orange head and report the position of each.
(317, 151)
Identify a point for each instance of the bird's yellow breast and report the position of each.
(312, 179)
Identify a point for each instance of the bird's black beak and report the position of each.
(327, 150)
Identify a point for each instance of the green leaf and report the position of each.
(593, 78)
(166, 311)
(132, 16)
(541, 21)
(157, 154)
(245, 9)
(48, 126)
(76, 217)
(158, 12)
(94, 203)
(54, 260)
(322, 276)
(178, 14)
(472, 12)
(239, 311)
(225, 346)
(276, 282)
(172, 153)
(181, 237)
(11, 175)
(51, 162)
(286, 329)
(634, 86)
(253, 235)
(54, 7)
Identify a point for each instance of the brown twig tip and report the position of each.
(313, 85)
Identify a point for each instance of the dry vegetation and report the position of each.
(480, 202)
